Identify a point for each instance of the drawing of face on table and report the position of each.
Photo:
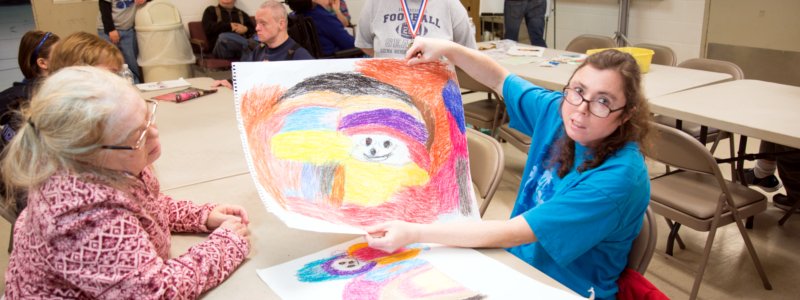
(379, 275)
(364, 147)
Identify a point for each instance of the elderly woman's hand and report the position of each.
(225, 212)
(222, 82)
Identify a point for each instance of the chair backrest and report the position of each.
(302, 30)
(486, 163)
(713, 65)
(590, 41)
(644, 245)
(514, 137)
(663, 54)
(9, 213)
(468, 83)
(678, 149)
(196, 32)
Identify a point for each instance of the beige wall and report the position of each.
(762, 37)
(677, 24)
(65, 17)
(770, 24)
(81, 15)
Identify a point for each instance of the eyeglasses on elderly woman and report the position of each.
(152, 107)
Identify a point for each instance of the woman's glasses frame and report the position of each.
(598, 109)
(150, 121)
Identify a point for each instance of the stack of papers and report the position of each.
(160, 85)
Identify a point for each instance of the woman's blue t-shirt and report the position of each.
(586, 221)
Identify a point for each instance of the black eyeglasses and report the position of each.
(598, 107)
(153, 105)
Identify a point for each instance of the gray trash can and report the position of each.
(164, 49)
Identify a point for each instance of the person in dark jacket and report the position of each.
(332, 35)
(228, 29)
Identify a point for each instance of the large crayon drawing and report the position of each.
(352, 270)
(355, 142)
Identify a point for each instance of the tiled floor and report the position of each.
(730, 273)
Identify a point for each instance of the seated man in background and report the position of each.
(276, 45)
(332, 35)
(228, 29)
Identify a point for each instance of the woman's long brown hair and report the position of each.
(636, 128)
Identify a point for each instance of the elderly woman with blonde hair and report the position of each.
(96, 224)
(86, 49)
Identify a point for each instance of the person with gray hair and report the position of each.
(96, 224)
(272, 29)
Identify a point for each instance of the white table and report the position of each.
(199, 138)
(759, 109)
(660, 80)
(273, 243)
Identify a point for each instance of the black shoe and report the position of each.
(783, 202)
(769, 184)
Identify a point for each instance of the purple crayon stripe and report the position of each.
(388, 117)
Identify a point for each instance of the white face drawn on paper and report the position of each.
(346, 264)
(380, 148)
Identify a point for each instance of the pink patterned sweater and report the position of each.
(81, 239)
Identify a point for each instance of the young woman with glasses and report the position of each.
(585, 187)
(96, 224)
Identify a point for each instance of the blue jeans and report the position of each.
(230, 46)
(533, 11)
(130, 50)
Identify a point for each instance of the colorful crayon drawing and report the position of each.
(360, 142)
(377, 275)
(351, 270)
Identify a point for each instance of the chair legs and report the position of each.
(673, 236)
(731, 150)
(789, 213)
(673, 232)
(752, 251)
(698, 278)
(11, 238)
(707, 252)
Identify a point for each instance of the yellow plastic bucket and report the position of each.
(643, 56)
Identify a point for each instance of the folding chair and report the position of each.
(644, 245)
(514, 137)
(202, 50)
(697, 196)
(485, 113)
(697, 130)
(590, 41)
(485, 165)
(663, 54)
